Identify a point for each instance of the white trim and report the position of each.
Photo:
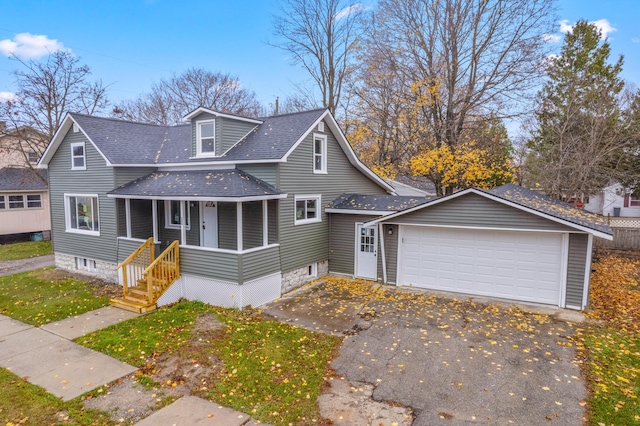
(265, 222)
(154, 215)
(183, 222)
(323, 154)
(399, 266)
(488, 228)
(75, 128)
(127, 215)
(67, 217)
(564, 265)
(200, 110)
(167, 214)
(219, 250)
(199, 152)
(240, 140)
(239, 239)
(362, 212)
(307, 197)
(382, 252)
(500, 200)
(220, 199)
(356, 254)
(197, 166)
(587, 273)
(73, 156)
(132, 239)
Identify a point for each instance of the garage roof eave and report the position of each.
(586, 229)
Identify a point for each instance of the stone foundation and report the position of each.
(298, 277)
(104, 270)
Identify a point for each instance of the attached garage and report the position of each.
(509, 243)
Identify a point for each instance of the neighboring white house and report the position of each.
(614, 200)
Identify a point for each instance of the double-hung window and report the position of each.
(307, 209)
(78, 157)
(34, 201)
(206, 139)
(319, 153)
(172, 214)
(16, 201)
(81, 212)
(3, 202)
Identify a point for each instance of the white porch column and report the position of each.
(239, 225)
(265, 223)
(154, 215)
(183, 224)
(127, 209)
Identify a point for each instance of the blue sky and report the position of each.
(129, 44)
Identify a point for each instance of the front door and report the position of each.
(209, 224)
(367, 252)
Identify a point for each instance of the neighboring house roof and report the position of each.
(408, 190)
(420, 182)
(529, 201)
(22, 179)
(201, 184)
(372, 204)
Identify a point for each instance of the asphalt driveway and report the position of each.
(454, 362)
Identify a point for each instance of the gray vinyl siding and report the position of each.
(121, 217)
(577, 262)
(227, 228)
(391, 252)
(342, 236)
(126, 247)
(301, 245)
(272, 217)
(124, 175)
(232, 131)
(141, 219)
(260, 263)
(98, 178)
(267, 172)
(252, 235)
(209, 264)
(478, 211)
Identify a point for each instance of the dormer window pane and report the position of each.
(206, 136)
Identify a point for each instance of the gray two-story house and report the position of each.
(236, 211)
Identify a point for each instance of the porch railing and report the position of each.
(136, 263)
(162, 272)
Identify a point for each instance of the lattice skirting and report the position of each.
(221, 293)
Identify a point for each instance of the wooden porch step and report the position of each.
(128, 304)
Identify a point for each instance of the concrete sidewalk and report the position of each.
(9, 267)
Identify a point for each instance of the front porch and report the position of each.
(217, 243)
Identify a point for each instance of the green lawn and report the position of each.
(24, 250)
(271, 370)
(42, 296)
(24, 403)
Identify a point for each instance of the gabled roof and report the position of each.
(531, 202)
(227, 185)
(372, 204)
(22, 179)
(200, 110)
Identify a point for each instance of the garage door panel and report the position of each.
(515, 265)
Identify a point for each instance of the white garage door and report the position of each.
(513, 265)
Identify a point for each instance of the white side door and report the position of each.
(209, 224)
(367, 252)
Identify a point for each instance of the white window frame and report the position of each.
(322, 155)
(167, 215)
(5, 201)
(9, 202)
(86, 264)
(199, 151)
(94, 219)
(84, 156)
(304, 220)
(312, 270)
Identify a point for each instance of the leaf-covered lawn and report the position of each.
(270, 370)
(42, 296)
(611, 349)
(24, 250)
(24, 403)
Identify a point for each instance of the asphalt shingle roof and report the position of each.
(420, 182)
(22, 179)
(230, 183)
(556, 208)
(381, 203)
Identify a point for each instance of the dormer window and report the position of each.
(205, 137)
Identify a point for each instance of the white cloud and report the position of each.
(603, 25)
(29, 46)
(354, 8)
(551, 38)
(8, 96)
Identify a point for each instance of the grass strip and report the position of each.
(26, 250)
